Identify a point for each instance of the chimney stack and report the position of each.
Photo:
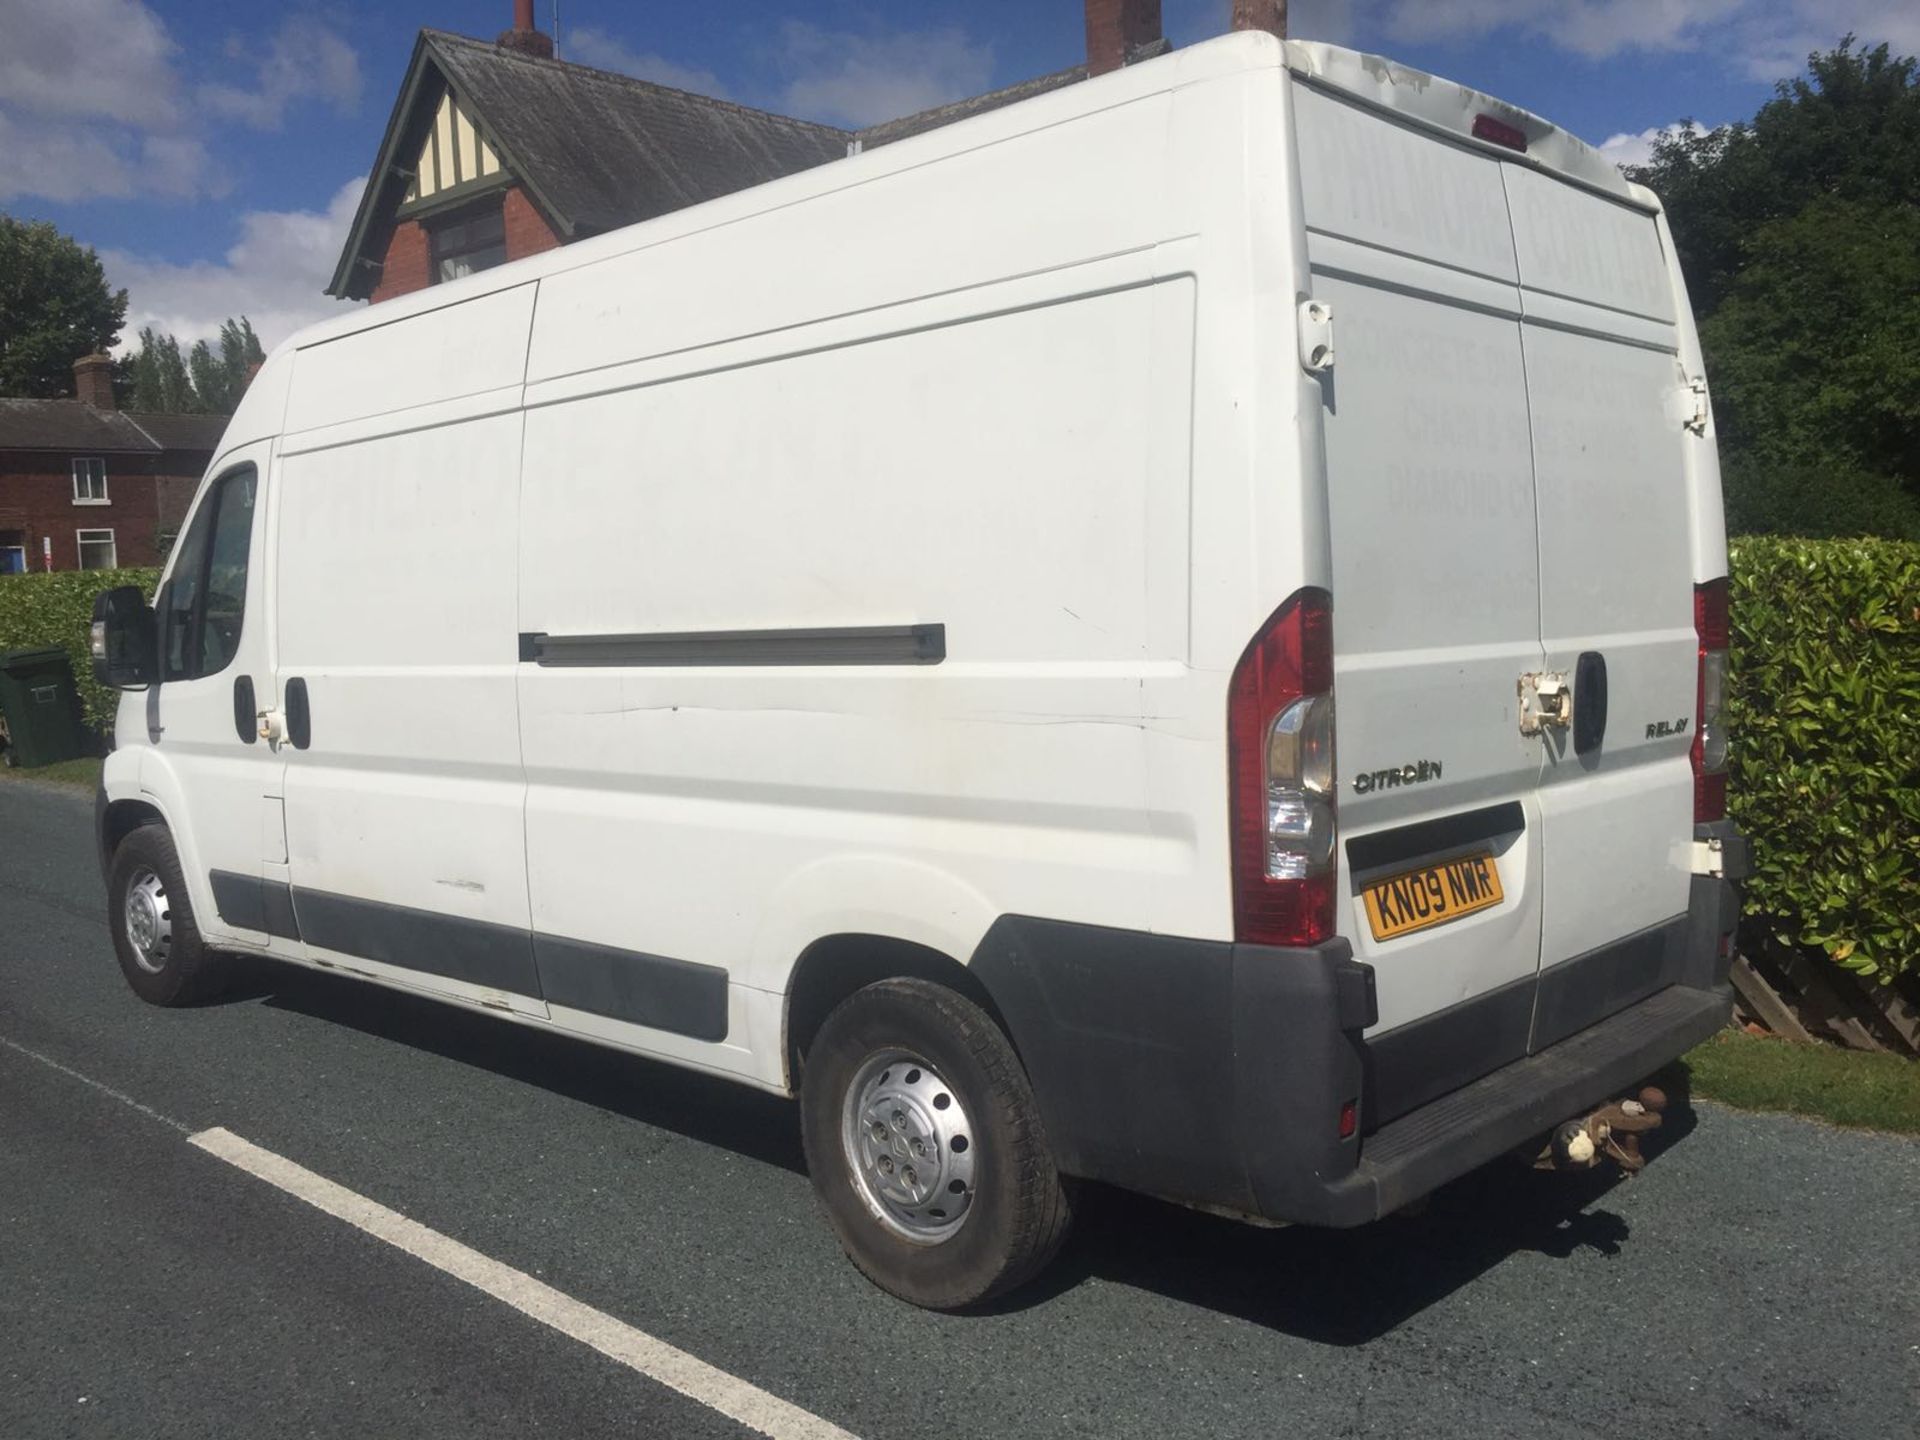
(523, 37)
(1120, 32)
(1267, 15)
(93, 380)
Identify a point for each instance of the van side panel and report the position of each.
(395, 607)
(1045, 199)
(454, 352)
(998, 477)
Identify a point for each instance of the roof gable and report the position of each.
(455, 155)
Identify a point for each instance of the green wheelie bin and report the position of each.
(39, 709)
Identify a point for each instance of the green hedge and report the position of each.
(57, 609)
(1825, 709)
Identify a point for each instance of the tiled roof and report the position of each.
(70, 425)
(875, 135)
(604, 150)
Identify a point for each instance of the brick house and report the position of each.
(86, 486)
(496, 150)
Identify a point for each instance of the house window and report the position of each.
(13, 552)
(461, 247)
(89, 482)
(97, 550)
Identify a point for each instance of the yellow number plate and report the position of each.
(1418, 899)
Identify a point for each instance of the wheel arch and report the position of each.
(834, 967)
(120, 819)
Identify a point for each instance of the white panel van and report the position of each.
(1169, 634)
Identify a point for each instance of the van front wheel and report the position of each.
(154, 934)
(926, 1147)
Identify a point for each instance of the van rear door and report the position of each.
(1606, 395)
(1510, 503)
(1436, 595)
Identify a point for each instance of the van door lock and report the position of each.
(1546, 702)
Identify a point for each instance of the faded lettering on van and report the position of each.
(1658, 728)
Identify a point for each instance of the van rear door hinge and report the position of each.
(1316, 336)
(1689, 405)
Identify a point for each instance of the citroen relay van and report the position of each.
(1170, 634)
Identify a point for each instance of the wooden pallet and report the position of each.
(1803, 998)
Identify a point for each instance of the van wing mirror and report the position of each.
(126, 654)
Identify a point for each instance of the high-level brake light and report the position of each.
(1485, 127)
(1281, 773)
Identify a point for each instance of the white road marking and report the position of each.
(674, 1368)
(107, 1090)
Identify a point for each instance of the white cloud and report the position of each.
(88, 59)
(305, 59)
(274, 275)
(864, 79)
(1766, 39)
(90, 104)
(1629, 149)
(590, 46)
(1777, 37)
(94, 103)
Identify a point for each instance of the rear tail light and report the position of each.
(1710, 623)
(1280, 757)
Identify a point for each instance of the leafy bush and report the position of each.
(1825, 708)
(57, 609)
(1774, 494)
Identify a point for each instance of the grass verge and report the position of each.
(82, 774)
(1822, 1082)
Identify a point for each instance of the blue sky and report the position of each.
(212, 150)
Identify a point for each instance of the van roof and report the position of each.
(1422, 99)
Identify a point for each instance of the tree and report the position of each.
(1848, 129)
(203, 382)
(55, 306)
(157, 376)
(1816, 348)
(1801, 244)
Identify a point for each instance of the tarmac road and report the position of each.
(1762, 1278)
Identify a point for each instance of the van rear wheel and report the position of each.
(926, 1147)
(154, 934)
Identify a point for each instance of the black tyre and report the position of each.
(926, 1147)
(160, 949)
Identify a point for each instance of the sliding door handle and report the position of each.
(246, 718)
(299, 714)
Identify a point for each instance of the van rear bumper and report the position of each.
(1459, 1132)
(1215, 1074)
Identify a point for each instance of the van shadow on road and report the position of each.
(1336, 1287)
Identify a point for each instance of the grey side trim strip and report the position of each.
(254, 904)
(651, 990)
(476, 951)
(840, 645)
